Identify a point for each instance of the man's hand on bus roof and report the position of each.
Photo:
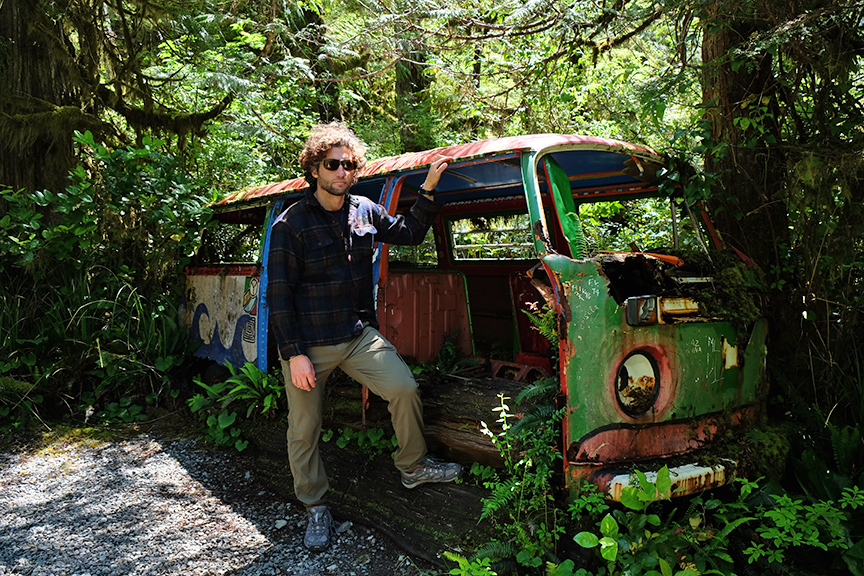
(438, 166)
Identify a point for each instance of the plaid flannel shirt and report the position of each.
(319, 286)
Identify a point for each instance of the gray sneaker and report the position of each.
(431, 470)
(319, 531)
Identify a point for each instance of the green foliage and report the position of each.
(699, 539)
(639, 542)
(373, 441)
(256, 393)
(588, 504)
(546, 322)
(123, 411)
(89, 281)
(790, 523)
(484, 238)
(18, 403)
(447, 360)
(469, 567)
(219, 422)
(647, 224)
(483, 473)
(522, 503)
(423, 255)
(259, 391)
(566, 568)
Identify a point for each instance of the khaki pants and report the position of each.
(371, 360)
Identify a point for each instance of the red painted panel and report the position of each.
(662, 440)
(417, 308)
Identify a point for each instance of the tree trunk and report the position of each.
(748, 200)
(37, 102)
(749, 160)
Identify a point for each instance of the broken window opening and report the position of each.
(644, 225)
(687, 275)
(424, 255)
(228, 242)
(492, 238)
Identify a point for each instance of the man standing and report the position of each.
(322, 312)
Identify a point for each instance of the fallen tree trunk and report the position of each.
(428, 519)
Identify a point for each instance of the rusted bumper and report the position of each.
(686, 479)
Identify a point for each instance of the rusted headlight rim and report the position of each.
(639, 392)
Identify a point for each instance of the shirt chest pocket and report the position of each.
(320, 247)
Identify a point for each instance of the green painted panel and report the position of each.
(697, 362)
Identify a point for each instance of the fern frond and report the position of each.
(545, 323)
(546, 388)
(503, 494)
(844, 443)
(732, 526)
(723, 556)
(537, 416)
(691, 510)
(495, 550)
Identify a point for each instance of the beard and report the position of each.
(330, 188)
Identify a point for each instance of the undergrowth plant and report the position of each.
(699, 540)
(251, 390)
(89, 285)
(372, 442)
(447, 359)
(521, 502)
(634, 541)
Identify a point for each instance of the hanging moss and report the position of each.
(19, 131)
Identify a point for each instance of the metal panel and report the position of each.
(420, 308)
(686, 479)
(222, 310)
(263, 319)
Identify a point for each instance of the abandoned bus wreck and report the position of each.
(648, 370)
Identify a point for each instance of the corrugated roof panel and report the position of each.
(459, 153)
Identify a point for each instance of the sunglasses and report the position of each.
(332, 164)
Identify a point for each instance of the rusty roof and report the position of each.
(459, 152)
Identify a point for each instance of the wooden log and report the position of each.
(423, 521)
(430, 518)
(454, 410)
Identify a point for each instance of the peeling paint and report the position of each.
(730, 355)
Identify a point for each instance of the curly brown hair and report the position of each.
(323, 137)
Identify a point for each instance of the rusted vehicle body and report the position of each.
(647, 374)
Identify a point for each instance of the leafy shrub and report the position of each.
(89, 280)
(257, 393)
(522, 502)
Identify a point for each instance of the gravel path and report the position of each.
(159, 507)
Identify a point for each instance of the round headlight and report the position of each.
(637, 383)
